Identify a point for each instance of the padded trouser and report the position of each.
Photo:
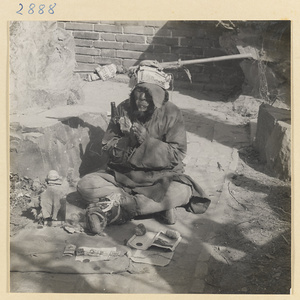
(98, 185)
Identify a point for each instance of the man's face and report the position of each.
(140, 100)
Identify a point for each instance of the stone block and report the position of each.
(108, 45)
(163, 32)
(61, 25)
(130, 23)
(84, 59)
(108, 28)
(86, 35)
(107, 60)
(162, 41)
(138, 30)
(197, 52)
(108, 22)
(129, 54)
(184, 32)
(138, 47)
(155, 23)
(108, 53)
(87, 51)
(162, 49)
(273, 139)
(149, 55)
(108, 36)
(278, 151)
(79, 26)
(195, 42)
(83, 43)
(130, 38)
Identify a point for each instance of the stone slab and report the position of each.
(273, 139)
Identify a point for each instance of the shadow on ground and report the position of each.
(214, 129)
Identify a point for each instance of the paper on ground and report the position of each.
(152, 257)
(96, 254)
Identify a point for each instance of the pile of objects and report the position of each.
(24, 197)
(23, 190)
(105, 72)
(147, 247)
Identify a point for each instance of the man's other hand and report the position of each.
(140, 132)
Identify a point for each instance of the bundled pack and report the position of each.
(149, 71)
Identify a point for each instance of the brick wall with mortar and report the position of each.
(126, 43)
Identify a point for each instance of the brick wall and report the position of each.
(127, 43)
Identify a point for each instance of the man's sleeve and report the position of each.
(155, 154)
(117, 144)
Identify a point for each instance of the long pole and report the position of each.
(205, 60)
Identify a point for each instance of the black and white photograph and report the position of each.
(150, 157)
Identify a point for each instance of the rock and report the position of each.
(268, 74)
(42, 63)
(273, 140)
(63, 146)
(140, 230)
(247, 106)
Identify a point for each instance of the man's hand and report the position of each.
(140, 132)
(125, 124)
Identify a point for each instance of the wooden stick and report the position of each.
(180, 63)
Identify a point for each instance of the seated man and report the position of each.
(146, 144)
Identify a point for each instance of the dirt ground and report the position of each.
(260, 207)
(257, 218)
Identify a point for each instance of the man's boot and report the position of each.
(115, 208)
(168, 216)
(124, 208)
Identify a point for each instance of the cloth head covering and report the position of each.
(156, 92)
(149, 71)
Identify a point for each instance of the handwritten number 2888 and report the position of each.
(40, 10)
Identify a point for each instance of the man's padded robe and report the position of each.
(150, 167)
